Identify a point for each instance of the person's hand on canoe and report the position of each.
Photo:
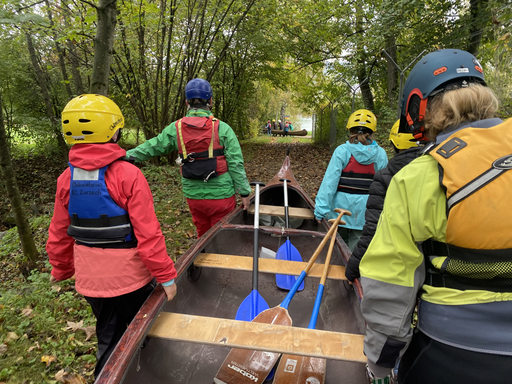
(246, 201)
(171, 291)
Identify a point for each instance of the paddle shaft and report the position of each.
(256, 238)
(300, 279)
(286, 215)
(297, 369)
(320, 293)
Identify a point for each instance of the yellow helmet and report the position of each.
(362, 118)
(91, 119)
(401, 140)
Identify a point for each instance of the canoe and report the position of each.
(302, 132)
(189, 337)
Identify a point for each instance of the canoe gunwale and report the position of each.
(128, 347)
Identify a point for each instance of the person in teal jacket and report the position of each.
(210, 192)
(347, 180)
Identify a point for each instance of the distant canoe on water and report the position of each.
(190, 336)
(302, 132)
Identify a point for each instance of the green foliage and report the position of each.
(34, 316)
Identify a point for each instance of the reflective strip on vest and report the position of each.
(474, 185)
(484, 327)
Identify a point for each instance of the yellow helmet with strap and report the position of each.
(91, 119)
(362, 118)
(401, 140)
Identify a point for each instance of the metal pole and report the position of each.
(402, 71)
(354, 89)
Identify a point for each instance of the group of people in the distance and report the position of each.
(278, 126)
(429, 229)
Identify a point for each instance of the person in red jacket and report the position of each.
(104, 230)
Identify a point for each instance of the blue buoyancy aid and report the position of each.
(96, 219)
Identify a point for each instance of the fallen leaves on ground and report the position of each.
(67, 378)
(48, 359)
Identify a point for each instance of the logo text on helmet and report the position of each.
(462, 70)
(116, 123)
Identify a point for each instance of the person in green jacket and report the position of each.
(212, 165)
(443, 242)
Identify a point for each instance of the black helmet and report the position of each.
(198, 89)
(437, 72)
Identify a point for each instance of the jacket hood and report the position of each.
(364, 154)
(198, 118)
(94, 156)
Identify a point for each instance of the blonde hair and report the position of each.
(452, 108)
(364, 138)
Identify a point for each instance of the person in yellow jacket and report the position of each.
(443, 242)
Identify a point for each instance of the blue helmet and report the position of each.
(437, 72)
(198, 89)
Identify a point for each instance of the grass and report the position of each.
(43, 326)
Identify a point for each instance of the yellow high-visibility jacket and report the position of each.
(394, 268)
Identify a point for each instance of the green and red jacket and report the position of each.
(221, 187)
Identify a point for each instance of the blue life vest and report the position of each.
(96, 219)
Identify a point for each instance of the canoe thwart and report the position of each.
(282, 267)
(259, 336)
(274, 210)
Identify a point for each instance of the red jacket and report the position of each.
(103, 272)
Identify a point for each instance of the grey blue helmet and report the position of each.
(198, 89)
(437, 72)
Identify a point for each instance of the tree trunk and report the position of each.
(73, 57)
(103, 45)
(41, 79)
(392, 71)
(479, 16)
(27, 241)
(333, 128)
(366, 91)
(60, 54)
(362, 75)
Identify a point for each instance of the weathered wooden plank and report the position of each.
(273, 210)
(259, 336)
(281, 267)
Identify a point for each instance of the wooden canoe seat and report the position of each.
(273, 210)
(281, 267)
(259, 336)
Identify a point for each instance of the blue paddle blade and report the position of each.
(251, 307)
(288, 252)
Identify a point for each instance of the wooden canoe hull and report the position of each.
(218, 292)
(302, 132)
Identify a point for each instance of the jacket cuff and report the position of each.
(379, 371)
(244, 195)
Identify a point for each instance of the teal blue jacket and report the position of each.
(328, 197)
